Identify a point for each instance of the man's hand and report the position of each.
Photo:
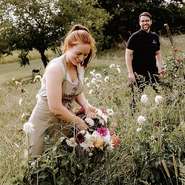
(90, 111)
(161, 72)
(131, 78)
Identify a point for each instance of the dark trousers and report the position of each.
(138, 87)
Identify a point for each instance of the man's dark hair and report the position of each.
(145, 14)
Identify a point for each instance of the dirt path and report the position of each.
(13, 70)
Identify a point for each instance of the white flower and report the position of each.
(101, 114)
(106, 79)
(20, 101)
(88, 84)
(37, 78)
(110, 112)
(90, 91)
(112, 65)
(92, 72)
(86, 79)
(18, 83)
(89, 121)
(144, 99)
(93, 80)
(28, 127)
(139, 129)
(71, 142)
(141, 119)
(98, 75)
(158, 99)
(118, 69)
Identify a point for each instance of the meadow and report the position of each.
(152, 150)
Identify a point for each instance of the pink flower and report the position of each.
(103, 131)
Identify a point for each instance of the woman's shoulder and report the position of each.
(56, 65)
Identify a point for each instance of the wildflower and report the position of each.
(139, 129)
(118, 69)
(86, 79)
(102, 115)
(106, 79)
(144, 99)
(28, 127)
(90, 91)
(110, 112)
(93, 80)
(158, 99)
(88, 84)
(20, 101)
(112, 65)
(71, 142)
(80, 138)
(92, 72)
(115, 141)
(141, 119)
(99, 143)
(17, 83)
(98, 75)
(89, 121)
(37, 78)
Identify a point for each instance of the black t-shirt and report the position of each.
(144, 44)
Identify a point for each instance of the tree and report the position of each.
(40, 23)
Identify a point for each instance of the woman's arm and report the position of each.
(83, 102)
(54, 78)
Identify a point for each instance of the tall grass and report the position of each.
(154, 149)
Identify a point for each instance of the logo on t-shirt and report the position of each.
(154, 42)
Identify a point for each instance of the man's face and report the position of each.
(145, 23)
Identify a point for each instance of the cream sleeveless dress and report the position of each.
(41, 117)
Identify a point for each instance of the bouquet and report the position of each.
(97, 137)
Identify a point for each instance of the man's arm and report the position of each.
(128, 59)
(159, 63)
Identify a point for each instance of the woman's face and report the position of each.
(78, 53)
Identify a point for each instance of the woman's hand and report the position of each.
(90, 111)
(80, 124)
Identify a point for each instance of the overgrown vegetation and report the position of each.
(151, 152)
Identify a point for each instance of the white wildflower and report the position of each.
(13, 79)
(118, 69)
(17, 83)
(86, 79)
(71, 142)
(139, 129)
(16, 145)
(112, 65)
(92, 72)
(106, 79)
(20, 101)
(98, 75)
(88, 84)
(37, 78)
(141, 119)
(89, 121)
(90, 154)
(90, 91)
(28, 127)
(62, 139)
(102, 115)
(158, 99)
(93, 80)
(110, 112)
(144, 99)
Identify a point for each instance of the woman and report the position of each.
(61, 85)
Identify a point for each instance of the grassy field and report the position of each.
(151, 152)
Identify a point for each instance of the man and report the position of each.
(143, 57)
